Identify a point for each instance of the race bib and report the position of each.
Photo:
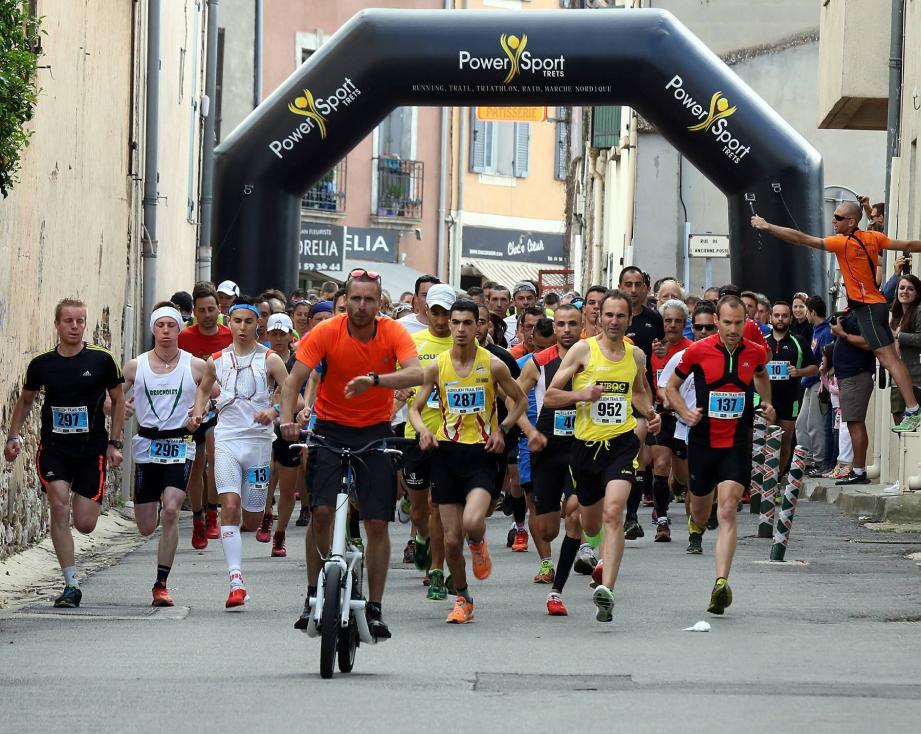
(168, 450)
(778, 370)
(70, 420)
(432, 402)
(564, 422)
(466, 400)
(726, 405)
(659, 378)
(610, 410)
(258, 476)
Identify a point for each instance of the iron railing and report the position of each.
(328, 194)
(399, 188)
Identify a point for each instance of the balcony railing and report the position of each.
(328, 194)
(399, 188)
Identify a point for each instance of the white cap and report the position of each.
(442, 295)
(279, 322)
(228, 288)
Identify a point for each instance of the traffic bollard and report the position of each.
(758, 438)
(769, 486)
(788, 508)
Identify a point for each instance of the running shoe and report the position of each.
(303, 518)
(909, 423)
(633, 530)
(409, 552)
(713, 522)
(695, 544)
(278, 545)
(603, 598)
(555, 606)
(545, 573)
(236, 598)
(597, 573)
(264, 533)
(839, 472)
(746, 496)
(403, 508)
(586, 560)
(161, 597)
(376, 625)
(422, 553)
(303, 621)
(212, 529)
(69, 598)
(427, 579)
(437, 589)
(199, 537)
(462, 612)
(663, 531)
(520, 544)
(648, 500)
(449, 585)
(853, 478)
(482, 563)
(510, 536)
(720, 597)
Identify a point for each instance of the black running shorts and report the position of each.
(86, 473)
(707, 467)
(417, 466)
(551, 477)
(597, 463)
(459, 468)
(151, 479)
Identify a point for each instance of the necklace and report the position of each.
(167, 362)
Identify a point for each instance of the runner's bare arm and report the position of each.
(763, 386)
(573, 362)
(518, 400)
(198, 370)
(129, 372)
(526, 381)
(295, 380)
(793, 236)
(203, 395)
(117, 396)
(642, 399)
(13, 443)
(413, 414)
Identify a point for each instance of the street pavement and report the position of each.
(829, 645)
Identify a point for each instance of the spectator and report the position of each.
(751, 304)
(906, 327)
(407, 298)
(876, 214)
(801, 327)
(668, 289)
(524, 295)
(526, 320)
(712, 295)
(386, 302)
(763, 312)
(810, 430)
(301, 317)
(499, 300)
(845, 459)
(901, 266)
(417, 320)
(183, 300)
(328, 290)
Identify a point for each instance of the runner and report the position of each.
(165, 381)
(551, 477)
(75, 447)
(608, 384)
(591, 308)
(354, 403)
(202, 339)
(858, 258)
(724, 367)
(463, 471)
(247, 373)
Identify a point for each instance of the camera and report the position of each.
(906, 268)
(836, 317)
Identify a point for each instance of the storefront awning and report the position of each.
(395, 278)
(504, 272)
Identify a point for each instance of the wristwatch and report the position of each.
(376, 378)
(115, 444)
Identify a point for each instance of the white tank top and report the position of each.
(163, 401)
(244, 392)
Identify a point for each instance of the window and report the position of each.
(501, 148)
(606, 127)
(395, 135)
(561, 164)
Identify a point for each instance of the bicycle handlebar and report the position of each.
(383, 445)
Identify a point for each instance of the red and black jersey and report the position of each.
(658, 364)
(723, 386)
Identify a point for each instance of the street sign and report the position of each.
(708, 245)
(511, 114)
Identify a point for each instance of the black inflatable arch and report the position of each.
(646, 59)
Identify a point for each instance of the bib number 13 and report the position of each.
(258, 477)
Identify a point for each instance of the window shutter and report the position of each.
(522, 149)
(477, 143)
(561, 168)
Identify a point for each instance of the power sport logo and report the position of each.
(515, 62)
(315, 113)
(713, 116)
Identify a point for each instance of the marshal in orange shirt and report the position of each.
(858, 257)
(339, 356)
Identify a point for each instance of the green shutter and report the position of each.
(606, 127)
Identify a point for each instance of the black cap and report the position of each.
(730, 290)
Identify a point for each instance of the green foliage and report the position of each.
(18, 88)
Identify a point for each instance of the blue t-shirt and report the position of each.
(821, 335)
(524, 453)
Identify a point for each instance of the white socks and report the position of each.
(233, 552)
(70, 576)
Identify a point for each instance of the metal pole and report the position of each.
(772, 467)
(709, 273)
(896, 38)
(758, 439)
(203, 257)
(257, 55)
(151, 159)
(788, 508)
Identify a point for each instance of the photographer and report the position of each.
(906, 327)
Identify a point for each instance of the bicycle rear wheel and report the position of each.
(329, 622)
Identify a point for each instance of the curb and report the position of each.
(867, 501)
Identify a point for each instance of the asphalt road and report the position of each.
(832, 645)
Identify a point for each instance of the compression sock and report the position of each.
(568, 550)
(162, 573)
(519, 510)
(233, 552)
(661, 494)
(465, 592)
(70, 576)
(594, 540)
(637, 490)
(693, 527)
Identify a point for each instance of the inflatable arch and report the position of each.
(645, 59)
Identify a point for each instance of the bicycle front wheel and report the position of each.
(329, 622)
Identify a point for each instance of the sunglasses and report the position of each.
(704, 327)
(362, 273)
(839, 218)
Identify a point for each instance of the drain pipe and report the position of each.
(209, 113)
(441, 260)
(151, 158)
(257, 55)
(896, 39)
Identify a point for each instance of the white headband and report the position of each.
(167, 312)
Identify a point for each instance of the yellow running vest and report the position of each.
(612, 414)
(429, 347)
(467, 404)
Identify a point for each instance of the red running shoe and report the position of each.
(264, 533)
(236, 598)
(597, 571)
(278, 546)
(555, 606)
(199, 537)
(746, 497)
(161, 597)
(520, 543)
(212, 529)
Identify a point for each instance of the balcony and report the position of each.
(328, 194)
(399, 188)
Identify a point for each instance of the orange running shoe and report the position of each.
(199, 538)
(462, 611)
(161, 597)
(236, 598)
(212, 529)
(596, 573)
(555, 606)
(482, 563)
(520, 543)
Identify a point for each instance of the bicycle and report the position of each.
(337, 612)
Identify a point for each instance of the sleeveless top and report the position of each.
(556, 423)
(244, 392)
(612, 414)
(162, 402)
(467, 404)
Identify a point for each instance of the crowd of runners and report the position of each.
(567, 412)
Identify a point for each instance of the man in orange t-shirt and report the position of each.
(359, 353)
(858, 257)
